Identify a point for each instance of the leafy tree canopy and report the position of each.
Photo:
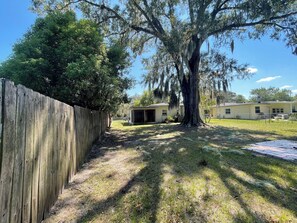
(123, 110)
(67, 59)
(217, 71)
(271, 94)
(147, 98)
(232, 97)
(182, 28)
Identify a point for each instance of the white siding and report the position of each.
(248, 111)
(286, 107)
(264, 108)
(160, 117)
(241, 111)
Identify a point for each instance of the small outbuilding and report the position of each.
(154, 113)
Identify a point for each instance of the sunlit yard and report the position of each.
(282, 128)
(166, 173)
(71, 66)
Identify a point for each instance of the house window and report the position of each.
(164, 112)
(277, 110)
(257, 109)
(227, 111)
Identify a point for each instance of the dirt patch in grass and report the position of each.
(165, 173)
(283, 149)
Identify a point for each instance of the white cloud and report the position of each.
(252, 70)
(294, 91)
(267, 79)
(286, 87)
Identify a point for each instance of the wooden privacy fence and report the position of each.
(42, 143)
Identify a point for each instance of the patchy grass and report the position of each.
(165, 173)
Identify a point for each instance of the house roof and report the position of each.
(150, 106)
(158, 105)
(153, 106)
(256, 103)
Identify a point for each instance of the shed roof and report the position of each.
(153, 106)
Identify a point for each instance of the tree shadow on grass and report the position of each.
(182, 150)
(145, 206)
(265, 185)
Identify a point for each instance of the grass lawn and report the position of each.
(165, 173)
(280, 128)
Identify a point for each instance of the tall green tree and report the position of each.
(184, 27)
(217, 71)
(66, 59)
(145, 99)
(231, 97)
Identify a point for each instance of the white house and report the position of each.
(253, 110)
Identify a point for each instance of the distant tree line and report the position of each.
(257, 95)
(272, 94)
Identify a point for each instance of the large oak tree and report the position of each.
(182, 27)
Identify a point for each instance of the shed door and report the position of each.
(138, 116)
(150, 116)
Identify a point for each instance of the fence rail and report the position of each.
(42, 144)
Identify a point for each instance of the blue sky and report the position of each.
(271, 61)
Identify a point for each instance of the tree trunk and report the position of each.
(109, 120)
(191, 95)
(185, 88)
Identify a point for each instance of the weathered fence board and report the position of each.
(28, 167)
(46, 170)
(1, 123)
(18, 171)
(43, 122)
(8, 150)
(50, 149)
(36, 152)
(73, 144)
(42, 144)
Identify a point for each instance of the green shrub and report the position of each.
(169, 119)
(293, 117)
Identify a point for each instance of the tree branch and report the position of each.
(69, 3)
(145, 15)
(248, 24)
(282, 27)
(155, 21)
(219, 7)
(119, 17)
(223, 3)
